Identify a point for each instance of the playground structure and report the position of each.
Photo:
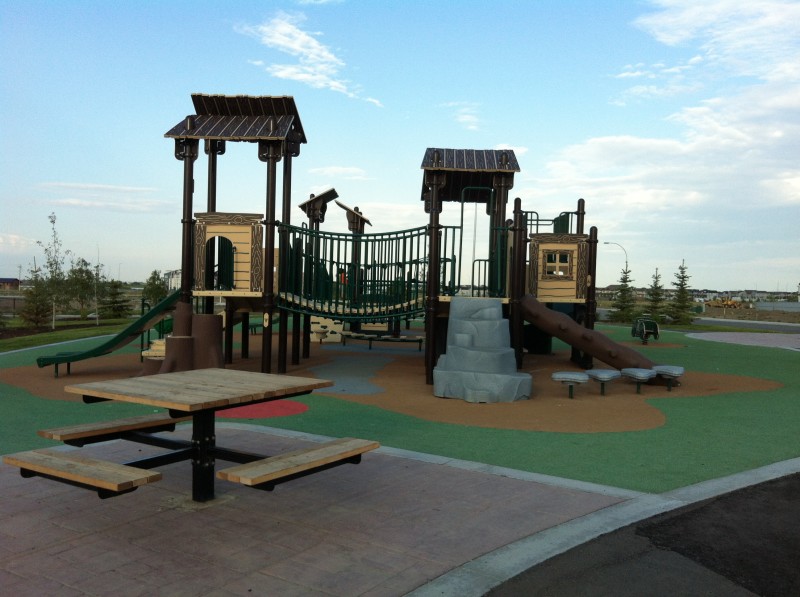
(272, 267)
(541, 271)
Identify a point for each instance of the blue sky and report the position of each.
(678, 121)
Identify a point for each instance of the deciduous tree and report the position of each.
(155, 289)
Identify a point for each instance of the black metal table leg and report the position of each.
(203, 444)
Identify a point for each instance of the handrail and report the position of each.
(563, 223)
(364, 277)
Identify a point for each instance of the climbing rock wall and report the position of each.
(479, 364)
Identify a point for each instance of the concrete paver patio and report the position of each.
(383, 527)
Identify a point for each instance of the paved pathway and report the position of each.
(790, 341)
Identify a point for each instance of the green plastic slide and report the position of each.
(126, 336)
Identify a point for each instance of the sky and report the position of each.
(678, 121)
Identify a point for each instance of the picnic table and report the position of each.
(195, 395)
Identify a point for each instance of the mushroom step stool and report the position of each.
(669, 372)
(603, 376)
(639, 376)
(570, 378)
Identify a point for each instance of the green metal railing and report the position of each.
(564, 223)
(366, 277)
(489, 275)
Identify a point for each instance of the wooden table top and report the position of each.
(202, 389)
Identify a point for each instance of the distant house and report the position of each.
(9, 284)
(173, 279)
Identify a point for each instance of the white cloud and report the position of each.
(518, 150)
(343, 172)
(104, 197)
(317, 65)
(112, 205)
(465, 114)
(757, 38)
(15, 244)
(89, 186)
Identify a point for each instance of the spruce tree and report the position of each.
(680, 309)
(654, 297)
(624, 300)
(116, 304)
(38, 306)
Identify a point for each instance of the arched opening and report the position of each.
(220, 264)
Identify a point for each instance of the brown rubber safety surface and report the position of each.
(400, 387)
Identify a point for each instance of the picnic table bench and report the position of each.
(268, 472)
(87, 433)
(108, 478)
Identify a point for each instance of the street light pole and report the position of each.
(623, 250)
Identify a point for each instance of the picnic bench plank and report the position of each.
(81, 470)
(297, 461)
(147, 422)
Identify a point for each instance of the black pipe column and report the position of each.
(291, 150)
(501, 183)
(269, 152)
(212, 148)
(434, 180)
(519, 230)
(186, 151)
(591, 290)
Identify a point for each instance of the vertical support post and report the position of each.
(315, 209)
(284, 255)
(517, 280)
(314, 218)
(581, 213)
(229, 316)
(434, 180)
(269, 152)
(186, 151)
(203, 444)
(246, 335)
(212, 148)
(591, 286)
(501, 183)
